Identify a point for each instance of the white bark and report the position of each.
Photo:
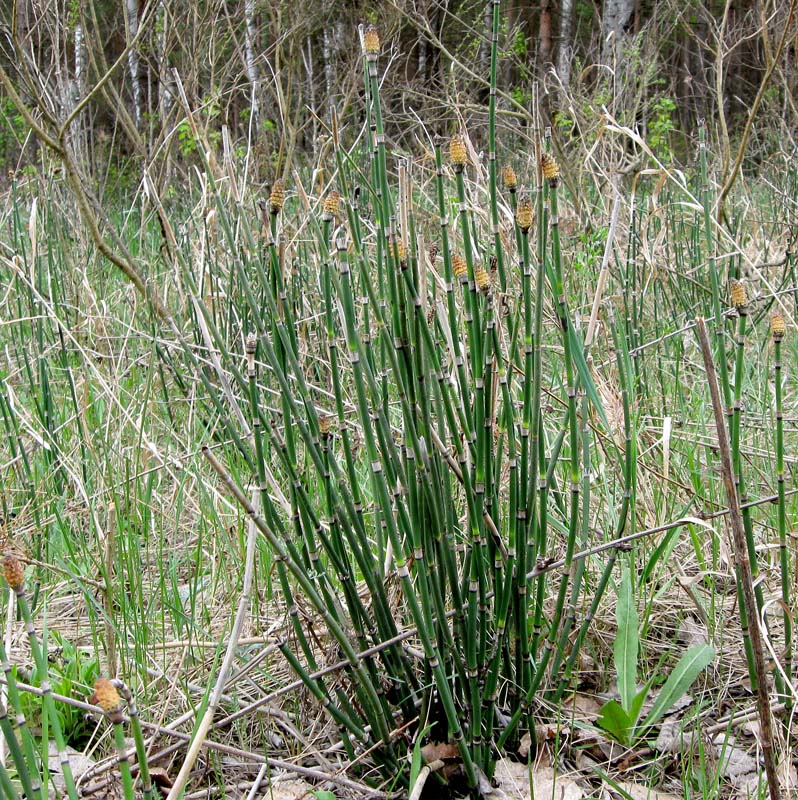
(307, 59)
(617, 14)
(251, 65)
(133, 62)
(80, 61)
(484, 47)
(78, 87)
(327, 59)
(164, 95)
(565, 46)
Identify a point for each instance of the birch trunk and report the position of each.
(327, 59)
(251, 65)
(484, 47)
(133, 62)
(565, 45)
(308, 63)
(617, 14)
(79, 138)
(164, 95)
(80, 63)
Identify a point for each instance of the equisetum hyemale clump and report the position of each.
(277, 197)
(459, 266)
(331, 204)
(482, 278)
(13, 572)
(777, 326)
(510, 178)
(523, 214)
(551, 170)
(739, 297)
(457, 152)
(371, 41)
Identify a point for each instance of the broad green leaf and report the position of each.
(626, 642)
(615, 721)
(679, 681)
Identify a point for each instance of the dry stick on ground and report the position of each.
(743, 564)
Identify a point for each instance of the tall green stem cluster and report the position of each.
(424, 477)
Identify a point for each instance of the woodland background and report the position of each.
(270, 74)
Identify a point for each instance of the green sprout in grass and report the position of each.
(623, 719)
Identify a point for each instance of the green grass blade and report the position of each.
(626, 642)
(679, 681)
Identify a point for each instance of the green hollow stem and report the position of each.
(28, 763)
(529, 457)
(138, 740)
(122, 757)
(537, 495)
(6, 785)
(48, 702)
(451, 308)
(23, 768)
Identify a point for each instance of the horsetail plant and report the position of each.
(14, 574)
(778, 330)
(107, 698)
(434, 460)
(738, 296)
(138, 738)
(425, 447)
(17, 734)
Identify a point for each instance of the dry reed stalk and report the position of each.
(743, 563)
